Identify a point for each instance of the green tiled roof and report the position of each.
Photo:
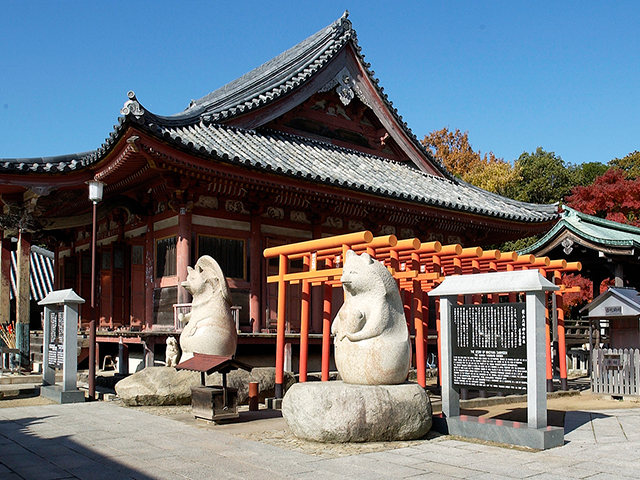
(590, 228)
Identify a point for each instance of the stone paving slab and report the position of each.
(102, 440)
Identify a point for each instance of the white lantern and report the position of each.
(95, 190)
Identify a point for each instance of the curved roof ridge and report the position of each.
(271, 79)
(275, 78)
(603, 222)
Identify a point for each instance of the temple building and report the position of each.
(305, 146)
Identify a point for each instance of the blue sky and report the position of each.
(562, 75)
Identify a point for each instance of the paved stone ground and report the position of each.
(101, 440)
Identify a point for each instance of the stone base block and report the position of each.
(57, 394)
(273, 403)
(338, 412)
(501, 431)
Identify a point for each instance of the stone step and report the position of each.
(17, 379)
(28, 389)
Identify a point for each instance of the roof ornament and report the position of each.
(346, 87)
(567, 245)
(42, 190)
(132, 107)
(343, 24)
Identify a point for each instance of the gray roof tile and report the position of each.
(328, 164)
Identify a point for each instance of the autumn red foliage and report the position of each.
(612, 196)
(573, 302)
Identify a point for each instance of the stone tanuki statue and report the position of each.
(210, 327)
(372, 345)
(172, 354)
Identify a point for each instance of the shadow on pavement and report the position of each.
(32, 448)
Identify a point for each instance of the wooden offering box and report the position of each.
(209, 403)
(213, 402)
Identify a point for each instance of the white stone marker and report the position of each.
(538, 434)
(61, 305)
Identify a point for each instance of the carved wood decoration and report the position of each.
(354, 125)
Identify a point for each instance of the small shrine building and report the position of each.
(606, 249)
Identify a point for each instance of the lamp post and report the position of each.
(95, 195)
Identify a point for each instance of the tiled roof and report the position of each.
(57, 164)
(271, 80)
(274, 79)
(316, 161)
(41, 279)
(593, 229)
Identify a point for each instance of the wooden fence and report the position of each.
(615, 372)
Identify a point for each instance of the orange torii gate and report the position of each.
(417, 267)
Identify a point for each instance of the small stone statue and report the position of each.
(371, 341)
(172, 354)
(210, 327)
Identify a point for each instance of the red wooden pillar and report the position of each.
(304, 322)
(418, 320)
(439, 341)
(326, 326)
(150, 265)
(562, 345)
(562, 342)
(256, 259)
(548, 345)
(183, 253)
(282, 304)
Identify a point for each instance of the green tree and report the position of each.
(630, 164)
(544, 178)
(585, 173)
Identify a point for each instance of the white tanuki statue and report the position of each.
(372, 345)
(172, 354)
(210, 327)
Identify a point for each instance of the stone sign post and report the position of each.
(496, 347)
(60, 346)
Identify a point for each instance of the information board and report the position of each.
(489, 350)
(56, 339)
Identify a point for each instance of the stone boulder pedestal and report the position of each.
(338, 412)
(167, 386)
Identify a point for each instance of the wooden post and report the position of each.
(304, 322)
(255, 259)
(326, 327)
(421, 361)
(439, 339)
(562, 345)
(5, 281)
(562, 341)
(23, 296)
(548, 345)
(282, 304)
(183, 253)
(93, 350)
(150, 274)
